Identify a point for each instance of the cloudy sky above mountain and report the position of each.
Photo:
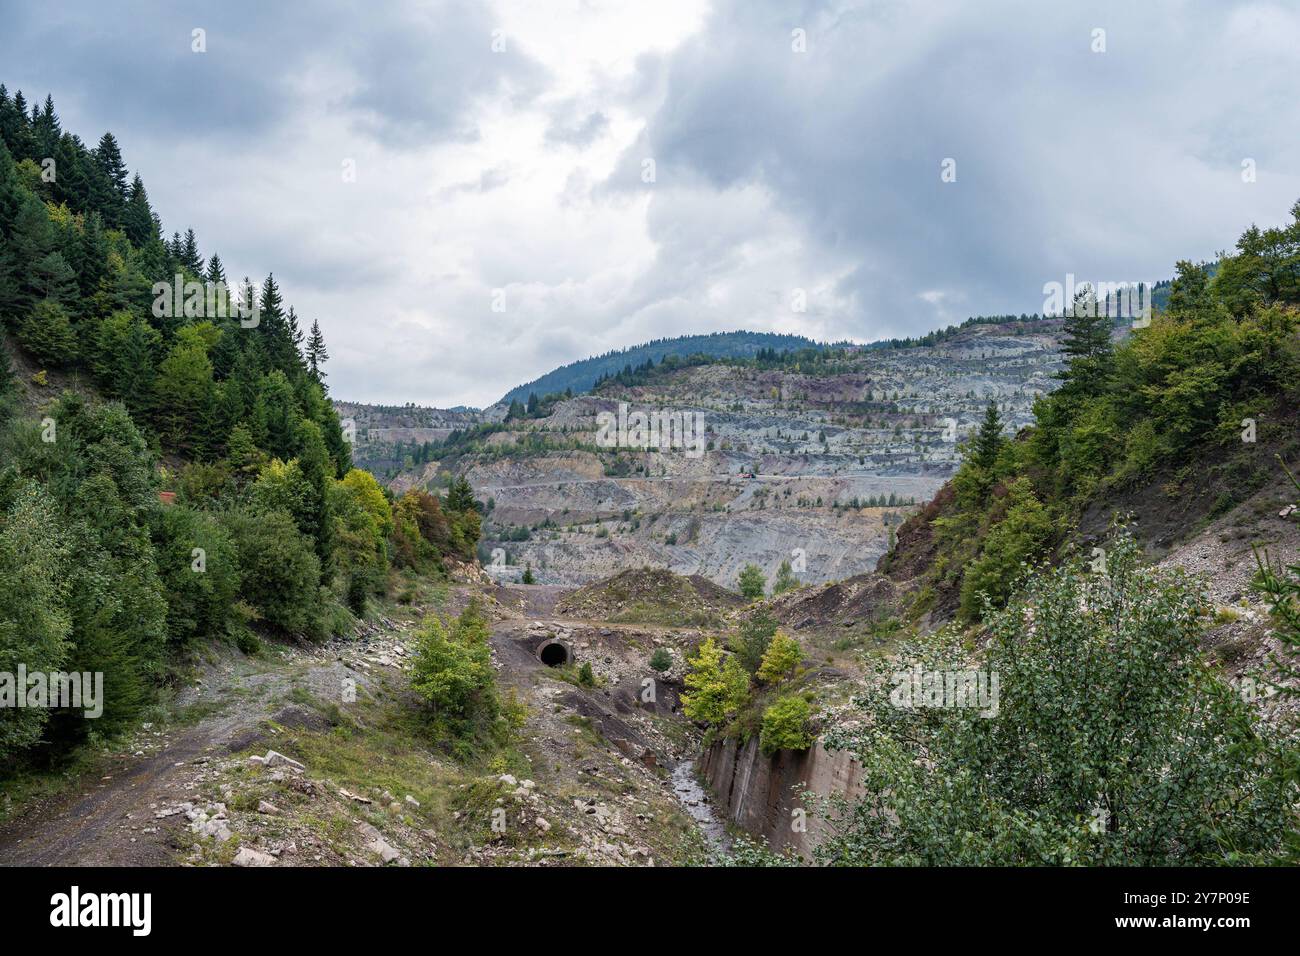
(536, 182)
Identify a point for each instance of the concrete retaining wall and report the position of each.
(760, 794)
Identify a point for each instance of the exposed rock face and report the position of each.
(816, 466)
(762, 795)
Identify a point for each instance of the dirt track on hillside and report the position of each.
(107, 818)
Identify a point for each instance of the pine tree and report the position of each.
(460, 496)
(108, 157)
(54, 279)
(190, 253)
(988, 441)
(92, 255)
(30, 241)
(10, 295)
(1087, 346)
(45, 129)
(276, 333)
(72, 185)
(316, 469)
(108, 191)
(317, 355)
(785, 579)
(138, 220)
(216, 272)
(19, 134)
(295, 331)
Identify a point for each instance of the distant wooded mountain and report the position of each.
(580, 376)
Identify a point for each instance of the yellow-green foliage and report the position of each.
(786, 725)
(453, 668)
(362, 521)
(783, 655)
(716, 689)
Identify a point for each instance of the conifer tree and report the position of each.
(317, 355)
(276, 333)
(295, 331)
(1087, 345)
(108, 157)
(216, 271)
(460, 496)
(92, 255)
(988, 441)
(138, 220)
(19, 136)
(9, 292)
(46, 130)
(190, 253)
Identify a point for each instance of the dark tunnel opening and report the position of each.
(554, 655)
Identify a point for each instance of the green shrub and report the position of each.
(199, 569)
(661, 660)
(1110, 742)
(47, 333)
(453, 674)
(1020, 537)
(785, 579)
(279, 571)
(715, 690)
(786, 725)
(35, 625)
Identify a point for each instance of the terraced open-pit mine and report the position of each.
(815, 466)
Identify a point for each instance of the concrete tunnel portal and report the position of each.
(553, 654)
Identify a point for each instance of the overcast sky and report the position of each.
(795, 146)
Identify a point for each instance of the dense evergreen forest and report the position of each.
(171, 467)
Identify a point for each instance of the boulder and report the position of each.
(247, 856)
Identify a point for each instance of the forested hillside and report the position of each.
(171, 468)
(581, 376)
(1199, 405)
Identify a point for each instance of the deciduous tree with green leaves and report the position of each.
(1111, 742)
(715, 688)
(780, 660)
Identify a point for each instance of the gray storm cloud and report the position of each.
(522, 170)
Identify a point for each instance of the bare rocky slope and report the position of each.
(815, 467)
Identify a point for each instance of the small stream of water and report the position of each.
(694, 798)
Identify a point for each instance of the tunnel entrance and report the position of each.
(553, 654)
